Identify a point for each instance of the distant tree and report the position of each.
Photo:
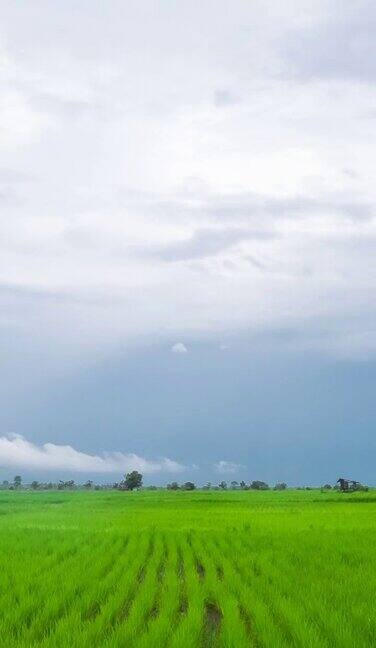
(66, 485)
(360, 487)
(17, 482)
(243, 485)
(132, 480)
(88, 485)
(280, 486)
(5, 484)
(207, 486)
(188, 486)
(222, 485)
(259, 485)
(34, 485)
(234, 484)
(173, 486)
(327, 487)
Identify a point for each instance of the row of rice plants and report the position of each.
(92, 618)
(286, 600)
(48, 597)
(78, 598)
(141, 605)
(30, 589)
(295, 602)
(169, 599)
(331, 594)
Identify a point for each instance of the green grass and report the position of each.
(180, 569)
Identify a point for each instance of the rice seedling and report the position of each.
(201, 569)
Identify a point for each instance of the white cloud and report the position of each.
(179, 347)
(17, 452)
(227, 467)
(183, 213)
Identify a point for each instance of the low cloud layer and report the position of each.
(17, 452)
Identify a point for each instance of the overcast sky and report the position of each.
(188, 237)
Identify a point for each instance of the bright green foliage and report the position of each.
(187, 569)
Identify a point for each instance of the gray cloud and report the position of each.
(14, 176)
(341, 46)
(247, 206)
(223, 194)
(224, 97)
(69, 108)
(206, 242)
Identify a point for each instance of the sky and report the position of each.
(187, 240)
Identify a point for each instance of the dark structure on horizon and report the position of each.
(347, 485)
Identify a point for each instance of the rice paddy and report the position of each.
(187, 569)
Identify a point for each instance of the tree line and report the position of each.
(134, 481)
(131, 481)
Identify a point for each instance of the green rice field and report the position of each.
(187, 569)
